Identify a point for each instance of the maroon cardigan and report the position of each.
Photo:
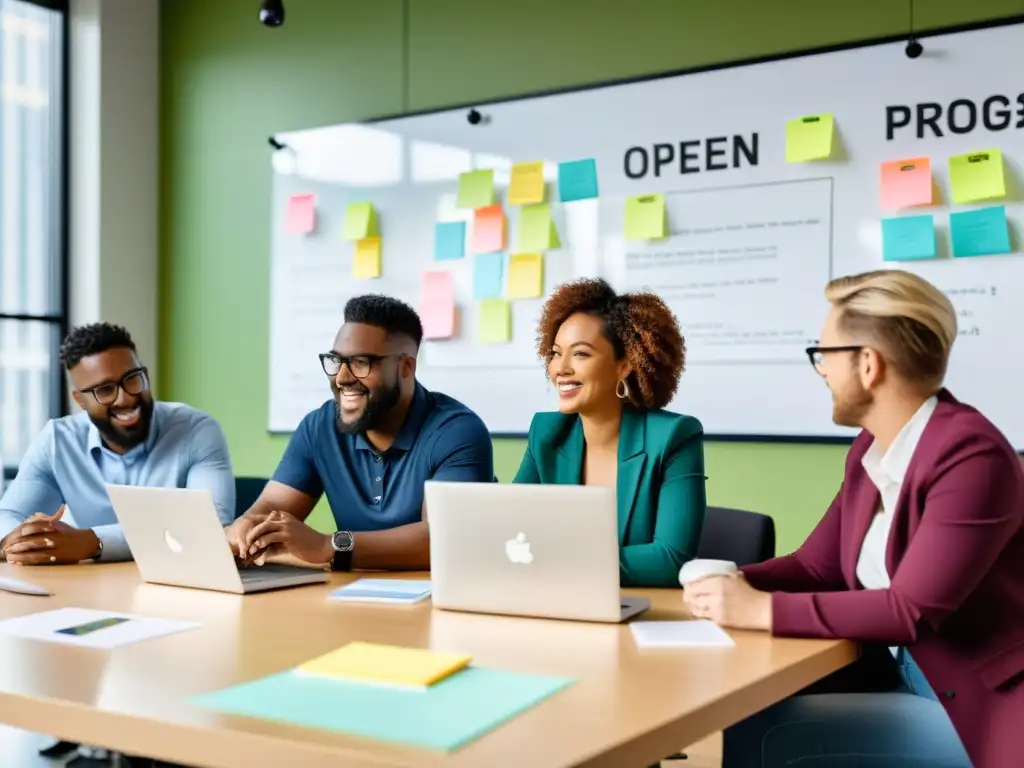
(956, 557)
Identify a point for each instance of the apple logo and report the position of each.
(518, 550)
(172, 543)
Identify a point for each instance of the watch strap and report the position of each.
(342, 561)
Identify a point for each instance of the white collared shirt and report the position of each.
(887, 472)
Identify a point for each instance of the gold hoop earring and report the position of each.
(622, 390)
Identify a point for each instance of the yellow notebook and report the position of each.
(385, 665)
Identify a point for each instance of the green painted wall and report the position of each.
(227, 83)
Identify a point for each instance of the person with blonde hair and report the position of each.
(921, 555)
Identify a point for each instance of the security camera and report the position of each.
(914, 49)
(474, 117)
(272, 13)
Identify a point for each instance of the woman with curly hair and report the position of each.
(616, 361)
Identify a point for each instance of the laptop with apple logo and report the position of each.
(549, 551)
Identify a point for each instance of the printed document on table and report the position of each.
(91, 628)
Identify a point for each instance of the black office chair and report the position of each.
(247, 490)
(743, 537)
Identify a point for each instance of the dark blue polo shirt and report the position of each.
(367, 490)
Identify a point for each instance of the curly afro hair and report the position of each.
(88, 340)
(640, 327)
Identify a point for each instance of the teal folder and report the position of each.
(444, 717)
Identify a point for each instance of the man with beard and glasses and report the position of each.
(920, 558)
(369, 449)
(56, 510)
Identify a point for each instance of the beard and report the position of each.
(849, 410)
(379, 403)
(125, 438)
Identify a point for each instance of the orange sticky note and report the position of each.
(488, 229)
(300, 217)
(437, 307)
(906, 183)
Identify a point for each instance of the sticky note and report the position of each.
(495, 321)
(385, 664)
(809, 138)
(449, 240)
(537, 231)
(577, 180)
(980, 233)
(437, 306)
(908, 238)
(366, 263)
(487, 275)
(527, 185)
(977, 176)
(360, 221)
(645, 217)
(476, 189)
(300, 216)
(906, 183)
(488, 229)
(525, 275)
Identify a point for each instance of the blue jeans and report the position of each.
(903, 728)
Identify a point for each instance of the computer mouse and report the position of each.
(23, 587)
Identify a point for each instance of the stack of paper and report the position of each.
(698, 633)
(403, 591)
(389, 665)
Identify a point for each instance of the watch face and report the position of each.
(342, 541)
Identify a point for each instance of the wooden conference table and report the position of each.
(627, 708)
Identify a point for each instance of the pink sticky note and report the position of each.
(437, 308)
(301, 214)
(488, 229)
(906, 183)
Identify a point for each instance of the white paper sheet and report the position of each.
(46, 626)
(698, 633)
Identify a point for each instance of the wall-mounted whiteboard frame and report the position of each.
(889, 52)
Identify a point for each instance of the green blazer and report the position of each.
(660, 485)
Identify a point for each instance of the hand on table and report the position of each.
(283, 534)
(46, 540)
(729, 601)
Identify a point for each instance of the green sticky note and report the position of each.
(449, 714)
(494, 324)
(977, 176)
(979, 233)
(908, 238)
(645, 217)
(809, 138)
(360, 222)
(537, 231)
(476, 189)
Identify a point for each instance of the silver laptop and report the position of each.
(176, 538)
(550, 551)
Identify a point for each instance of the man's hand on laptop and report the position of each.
(46, 540)
(284, 534)
(238, 533)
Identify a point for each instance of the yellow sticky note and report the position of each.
(809, 138)
(525, 275)
(537, 231)
(360, 222)
(385, 664)
(476, 189)
(977, 176)
(527, 185)
(645, 217)
(366, 263)
(494, 321)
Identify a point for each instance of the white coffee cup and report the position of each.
(695, 570)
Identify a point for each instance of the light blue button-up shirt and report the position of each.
(68, 464)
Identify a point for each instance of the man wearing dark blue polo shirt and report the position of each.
(370, 449)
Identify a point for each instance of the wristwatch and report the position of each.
(99, 550)
(342, 542)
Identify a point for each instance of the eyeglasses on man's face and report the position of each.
(358, 365)
(134, 383)
(817, 354)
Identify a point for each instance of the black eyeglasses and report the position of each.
(817, 354)
(358, 365)
(134, 383)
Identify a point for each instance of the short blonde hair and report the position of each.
(907, 319)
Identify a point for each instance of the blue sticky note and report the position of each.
(449, 240)
(446, 716)
(487, 274)
(980, 233)
(908, 238)
(577, 180)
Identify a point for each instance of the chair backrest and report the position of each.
(247, 490)
(735, 534)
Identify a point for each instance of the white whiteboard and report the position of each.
(746, 321)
